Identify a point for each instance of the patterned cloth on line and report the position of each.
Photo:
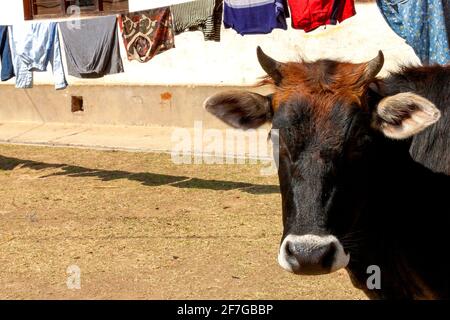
(203, 15)
(92, 47)
(147, 33)
(423, 24)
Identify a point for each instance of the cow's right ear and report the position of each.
(403, 115)
(241, 109)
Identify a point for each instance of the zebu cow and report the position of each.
(363, 169)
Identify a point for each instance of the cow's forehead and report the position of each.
(300, 118)
(322, 74)
(320, 111)
(322, 83)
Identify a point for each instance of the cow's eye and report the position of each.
(363, 141)
(357, 146)
(328, 153)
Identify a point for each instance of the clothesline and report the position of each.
(92, 45)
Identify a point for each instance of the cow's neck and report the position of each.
(405, 224)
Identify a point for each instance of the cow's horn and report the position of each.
(270, 66)
(374, 67)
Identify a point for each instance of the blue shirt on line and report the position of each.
(35, 45)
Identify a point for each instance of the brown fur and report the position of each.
(322, 82)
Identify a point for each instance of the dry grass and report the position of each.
(139, 226)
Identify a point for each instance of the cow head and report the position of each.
(328, 124)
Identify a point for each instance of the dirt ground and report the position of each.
(140, 227)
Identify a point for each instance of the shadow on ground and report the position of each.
(145, 178)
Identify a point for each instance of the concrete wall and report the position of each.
(11, 12)
(195, 69)
(160, 105)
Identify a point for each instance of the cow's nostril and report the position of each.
(329, 255)
(288, 249)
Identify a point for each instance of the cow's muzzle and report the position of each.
(312, 254)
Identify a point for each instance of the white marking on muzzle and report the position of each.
(310, 242)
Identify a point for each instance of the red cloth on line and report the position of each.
(311, 14)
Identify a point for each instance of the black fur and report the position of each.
(433, 83)
(384, 199)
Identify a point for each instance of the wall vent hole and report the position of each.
(77, 104)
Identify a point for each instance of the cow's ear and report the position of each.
(240, 109)
(403, 115)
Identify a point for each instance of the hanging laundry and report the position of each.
(5, 55)
(203, 15)
(447, 18)
(147, 33)
(35, 45)
(92, 47)
(309, 15)
(423, 24)
(255, 16)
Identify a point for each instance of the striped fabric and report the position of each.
(247, 3)
(203, 15)
(255, 16)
